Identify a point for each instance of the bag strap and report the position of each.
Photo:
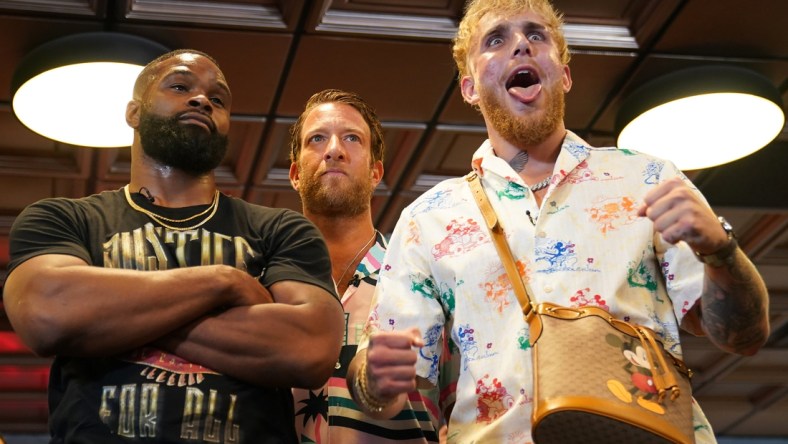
(664, 380)
(499, 239)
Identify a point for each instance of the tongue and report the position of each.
(526, 95)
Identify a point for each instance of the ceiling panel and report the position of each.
(728, 29)
(397, 54)
(374, 69)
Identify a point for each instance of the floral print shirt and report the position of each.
(584, 246)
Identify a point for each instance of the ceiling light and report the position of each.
(75, 89)
(701, 117)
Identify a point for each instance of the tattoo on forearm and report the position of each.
(733, 313)
(519, 160)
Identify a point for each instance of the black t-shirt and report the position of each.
(148, 395)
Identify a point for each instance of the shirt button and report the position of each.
(541, 234)
(548, 289)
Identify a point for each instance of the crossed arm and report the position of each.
(216, 316)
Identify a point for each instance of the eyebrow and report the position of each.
(188, 73)
(323, 129)
(504, 26)
(345, 130)
(497, 29)
(533, 26)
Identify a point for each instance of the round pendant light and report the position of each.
(701, 117)
(75, 89)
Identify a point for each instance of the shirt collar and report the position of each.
(574, 150)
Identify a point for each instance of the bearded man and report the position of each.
(336, 153)
(176, 313)
(548, 188)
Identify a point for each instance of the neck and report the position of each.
(540, 155)
(169, 187)
(541, 158)
(344, 233)
(345, 237)
(175, 190)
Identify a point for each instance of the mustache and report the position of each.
(204, 117)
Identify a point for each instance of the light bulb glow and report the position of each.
(705, 130)
(82, 104)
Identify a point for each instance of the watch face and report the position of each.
(726, 225)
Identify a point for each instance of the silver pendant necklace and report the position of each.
(352, 261)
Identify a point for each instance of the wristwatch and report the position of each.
(724, 255)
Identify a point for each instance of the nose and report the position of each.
(335, 150)
(202, 102)
(521, 45)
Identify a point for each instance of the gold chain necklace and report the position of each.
(161, 219)
(374, 235)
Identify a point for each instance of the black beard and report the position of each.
(335, 201)
(184, 147)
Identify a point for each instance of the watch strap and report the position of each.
(724, 255)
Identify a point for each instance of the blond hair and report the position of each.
(476, 9)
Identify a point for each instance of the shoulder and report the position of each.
(444, 194)
(278, 225)
(629, 162)
(101, 202)
(263, 213)
(580, 148)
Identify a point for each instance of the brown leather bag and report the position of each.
(597, 379)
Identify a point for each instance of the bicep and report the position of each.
(299, 293)
(28, 298)
(27, 279)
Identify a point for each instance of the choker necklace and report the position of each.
(374, 235)
(161, 219)
(543, 184)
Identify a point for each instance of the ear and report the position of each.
(377, 172)
(294, 177)
(468, 90)
(133, 113)
(567, 79)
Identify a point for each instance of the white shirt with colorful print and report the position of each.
(586, 246)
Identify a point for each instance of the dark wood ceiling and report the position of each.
(396, 53)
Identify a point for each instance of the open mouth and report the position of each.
(522, 79)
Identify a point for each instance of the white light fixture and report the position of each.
(701, 117)
(75, 89)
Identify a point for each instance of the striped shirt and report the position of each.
(329, 415)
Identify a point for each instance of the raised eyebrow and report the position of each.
(534, 26)
(496, 30)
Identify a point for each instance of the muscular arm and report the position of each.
(294, 342)
(58, 304)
